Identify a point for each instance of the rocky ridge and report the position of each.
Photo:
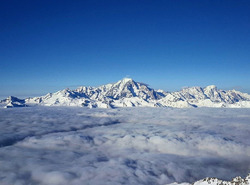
(128, 93)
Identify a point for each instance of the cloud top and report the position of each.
(45, 145)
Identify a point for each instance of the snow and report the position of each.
(124, 81)
(128, 93)
(68, 145)
(215, 181)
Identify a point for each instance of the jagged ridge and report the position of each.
(128, 93)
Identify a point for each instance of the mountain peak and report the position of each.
(124, 81)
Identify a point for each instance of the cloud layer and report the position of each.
(48, 145)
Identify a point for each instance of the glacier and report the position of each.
(128, 93)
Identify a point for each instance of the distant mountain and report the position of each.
(128, 93)
(12, 101)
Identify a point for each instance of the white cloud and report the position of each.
(48, 145)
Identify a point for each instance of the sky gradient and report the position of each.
(47, 46)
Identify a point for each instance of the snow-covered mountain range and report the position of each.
(128, 93)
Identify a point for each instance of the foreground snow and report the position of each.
(215, 181)
(56, 145)
(128, 93)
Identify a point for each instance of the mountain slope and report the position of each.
(12, 101)
(128, 93)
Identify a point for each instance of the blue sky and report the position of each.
(50, 45)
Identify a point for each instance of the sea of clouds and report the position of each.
(64, 146)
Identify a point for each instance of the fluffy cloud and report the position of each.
(48, 145)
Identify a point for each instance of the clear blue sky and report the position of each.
(48, 45)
